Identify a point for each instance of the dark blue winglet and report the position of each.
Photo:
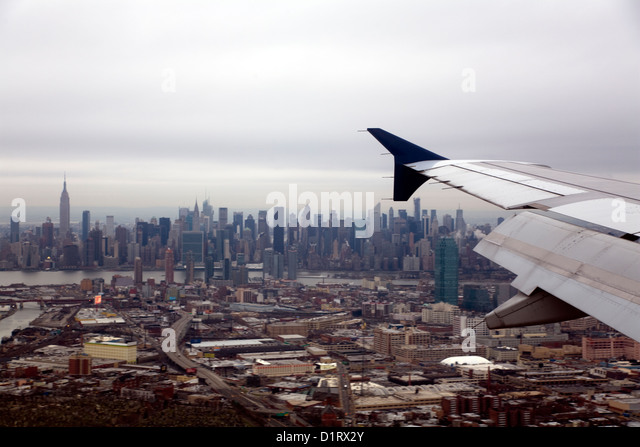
(405, 180)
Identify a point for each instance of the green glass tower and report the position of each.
(446, 271)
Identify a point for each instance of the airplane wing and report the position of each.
(574, 245)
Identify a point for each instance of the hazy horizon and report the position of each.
(127, 215)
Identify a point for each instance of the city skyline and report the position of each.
(74, 216)
(396, 239)
(238, 100)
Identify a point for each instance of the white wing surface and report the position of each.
(574, 247)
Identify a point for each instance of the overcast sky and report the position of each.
(146, 103)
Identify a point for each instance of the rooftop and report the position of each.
(466, 360)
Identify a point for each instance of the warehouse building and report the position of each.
(116, 348)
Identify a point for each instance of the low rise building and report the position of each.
(604, 348)
(282, 368)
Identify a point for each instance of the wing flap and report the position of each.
(524, 310)
(592, 272)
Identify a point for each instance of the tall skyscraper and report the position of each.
(278, 232)
(193, 242)
(250, 223)
(207, 209)
(168, 266)
(121, 241)
(195, 221)
(267, 261)
(425, 223)
(47, 233)
(165, 228)
(222, 218)
(137, 270)
(292, 264)
(94, 253)
(86, 224)
(209, 269)
(277, 267)
(110, 228)
(190, 269)
(446, 270)
(65, 211)
(15, 230)
(460, 224)
(238, 222)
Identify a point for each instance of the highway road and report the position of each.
(218, 384)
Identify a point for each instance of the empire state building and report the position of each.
(65, 211)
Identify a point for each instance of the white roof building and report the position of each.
(472, 360)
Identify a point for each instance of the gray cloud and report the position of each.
(149, 102)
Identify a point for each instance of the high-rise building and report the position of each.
(15, 230)
(93, 251)
(222, 218)
(250, 224)
(65, 211)
(446, 270)
(168, 266)
(263, 226)
(292, 264)
(195, 218)
(447, 222)
(110, 229)
(47, 233)
(70, 256)
(142, 233)
(433, 224)
(278, 231)
(190, 268)
(267, 261)
(277, 267)
(460, 224)
(425, 224)
(226, 269)
(207, 209)
(238, 222)
(193, 242)
(209, 269)
(137, 270)
(121, 241)
(165, 227)
(86, 224)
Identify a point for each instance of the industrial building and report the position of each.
(116, 348)
(283, 368)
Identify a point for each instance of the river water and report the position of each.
(22, 317)
(52, 277)
(39, 277)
